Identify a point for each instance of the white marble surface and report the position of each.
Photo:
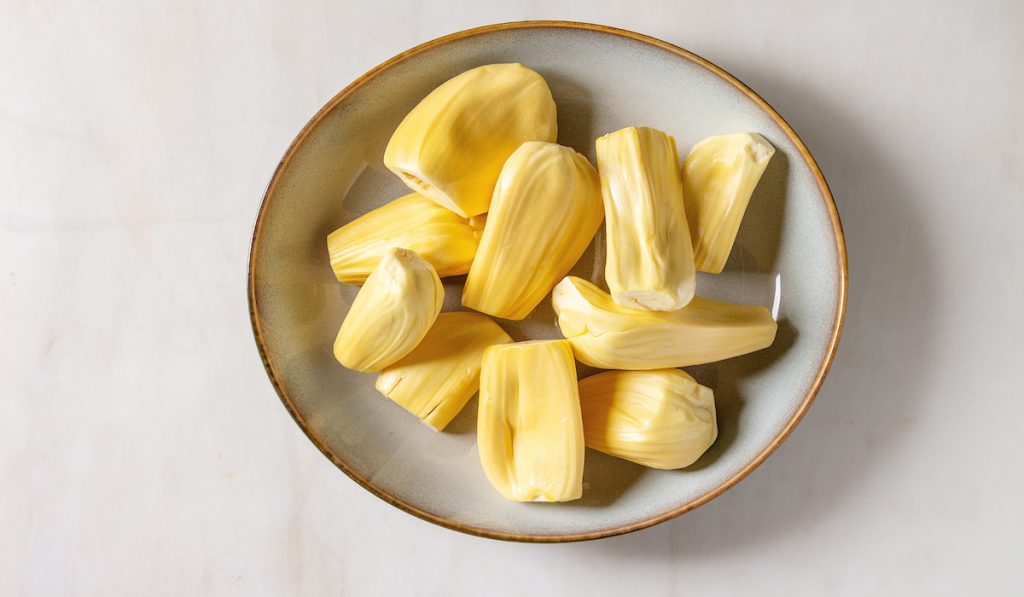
(143, 451)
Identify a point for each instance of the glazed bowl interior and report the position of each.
(789, 256)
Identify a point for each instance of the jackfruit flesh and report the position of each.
(529, 427)
(606, 335)
(649, 255)
(452, 145)
(545, 211)
(661, 419)
(446, 240)
(719, 176)
(391, 313)
(437, 379)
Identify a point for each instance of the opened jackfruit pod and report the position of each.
(437, 379)
(392, 312)
(662, 419)
(650, 258)
(545, 211)
(719, 177)
(529, 427)
(606, 335)
(452, 145)
(446, 240)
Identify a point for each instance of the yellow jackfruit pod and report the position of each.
(452, 145)
(437, 379)
(662, 419)
(391, 313)
(446, 240)
(719, 177)
(606, 335)
(529, 427)
(650, 258)
(545, 211)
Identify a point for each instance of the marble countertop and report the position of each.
(144, 452)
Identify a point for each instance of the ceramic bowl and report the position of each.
(789, 256)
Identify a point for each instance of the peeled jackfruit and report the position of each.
(649, 259)
(391, 313)
(452, 145)
(719, 177)
(446, 240)
(606, 335)
(546, 209)
(442, 373)
(529, 427)
(662, 418)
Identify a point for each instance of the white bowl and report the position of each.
(789, 255)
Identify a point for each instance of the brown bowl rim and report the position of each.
(812, 391)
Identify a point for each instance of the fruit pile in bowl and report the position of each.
(496, 198)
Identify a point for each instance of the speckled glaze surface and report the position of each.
(789, 256)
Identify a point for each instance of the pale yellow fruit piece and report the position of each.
(606, 335)
(649, 258)
(446, 240)
(529, 428)
(545, 211)
(452, 145)
(437, 379)
(662, 419)
(391, 313)
(719, 177)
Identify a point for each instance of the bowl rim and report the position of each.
(812, 391)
